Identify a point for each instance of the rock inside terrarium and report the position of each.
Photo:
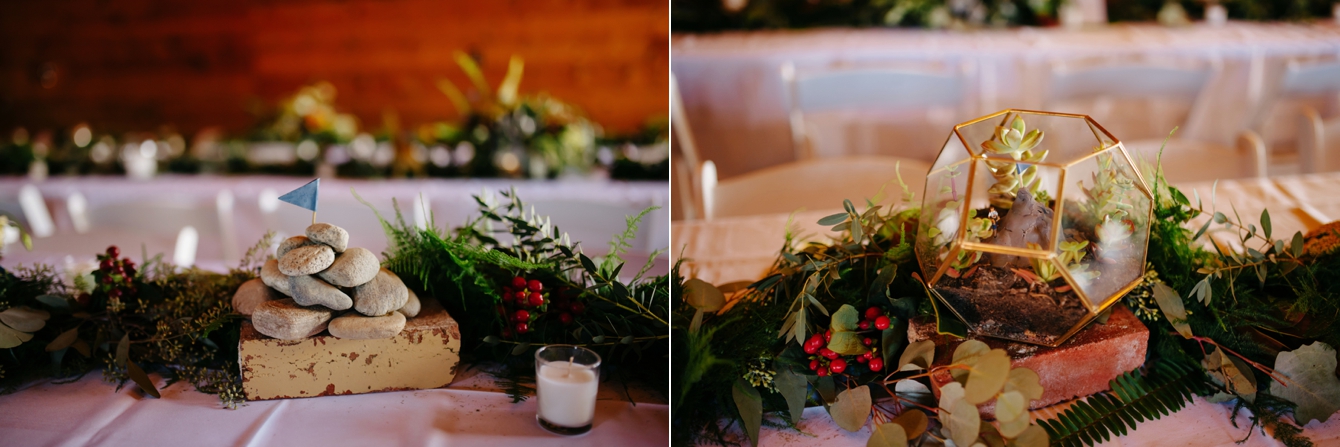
(1029, 238)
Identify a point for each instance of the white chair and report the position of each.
(1160, 88)
(684, 161)
(1319, 142)
(872, 111)
(817, 184)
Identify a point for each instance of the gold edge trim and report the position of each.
(1121, 293)
(1103, 129)
(945, 168)
(952, 310)
(1013, 251)
(1144, 184)
(967, 202)
(1083, 323)
(981, 118)
(964, 141)
(1091, 155)
(944, 267)
(1057, 211)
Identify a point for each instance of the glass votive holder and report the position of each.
(566, 380)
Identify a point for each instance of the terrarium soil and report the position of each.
(998, 302)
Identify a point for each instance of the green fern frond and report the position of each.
(1132, 399)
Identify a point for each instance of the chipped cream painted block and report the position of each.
(422, 356)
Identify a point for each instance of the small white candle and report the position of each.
(567, 394)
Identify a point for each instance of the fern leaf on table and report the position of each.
(1133, 398)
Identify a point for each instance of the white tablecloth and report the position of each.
(734, 95)
(131, 213)
(469, 412)
(742, 249)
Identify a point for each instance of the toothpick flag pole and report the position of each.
(304, 197)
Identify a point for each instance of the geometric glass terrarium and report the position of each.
(1032, 224)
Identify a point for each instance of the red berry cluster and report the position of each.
(523, 301)
(824, 361)
(115, 276)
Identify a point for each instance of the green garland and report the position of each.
(156, 318)
(1230, 326)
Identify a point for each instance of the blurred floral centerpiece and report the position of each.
(505, 134)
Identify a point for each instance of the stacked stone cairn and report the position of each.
(316, 283)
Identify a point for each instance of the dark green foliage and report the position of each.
(1132, 399)
(467, 269)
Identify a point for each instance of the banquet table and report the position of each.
(470, 411)
(736, 99)
(231, 213)
(742, 248)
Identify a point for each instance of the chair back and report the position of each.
(1312, 79)
(871, 111)
(1165, 96)
(816, 184)
(687, 166)
(1186, 161)
(1318, 142)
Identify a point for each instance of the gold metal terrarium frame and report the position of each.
(958, 243)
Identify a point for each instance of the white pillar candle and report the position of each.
(567, 395)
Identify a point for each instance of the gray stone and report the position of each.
(251, 294)
(328, 234)
(385, 293)
(306, 260)
(286, 320)
(292, 243)
(411, 307)
(311, 291)
(355, 267)
(272, 277)
(358, 327)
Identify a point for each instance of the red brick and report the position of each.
(1081, 366)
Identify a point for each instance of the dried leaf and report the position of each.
(142, 379)
(702, 295)
(918, 355)
(987, 376)
(1026, 382)
(1312, 383)
(888, 435)
(852, 408)
(793, 388)
(913, 421)
(1171, 305)
(750, 405)
(64, 340)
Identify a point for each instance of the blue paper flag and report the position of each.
(305, 196)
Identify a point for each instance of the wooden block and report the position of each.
(1081, 366)
(422, 356)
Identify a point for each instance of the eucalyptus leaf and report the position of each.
(852, 408)
(918, 355)
(891, 340)
(1171, 305)
(492, 340)
(966, 354)
(1014, 427)
(1033, 436)
(847, 343)
(913, 421)
(1202, 229)
(1312, 384)
(54, 301)
(703, 295)
(64, 340)
(827, 389)
(123, 350)
(845, 319)
(1265, 223)
(1026, 382)
(888, 435)
(1011, 406)
(750, 405)
(1296, 246)
(520, 349)
(25, 319)
(10, 338)
(964, 423)
(793, 388)
(141, 379)
(950, 394)
(987, 377)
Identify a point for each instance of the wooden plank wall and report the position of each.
(135, 65)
